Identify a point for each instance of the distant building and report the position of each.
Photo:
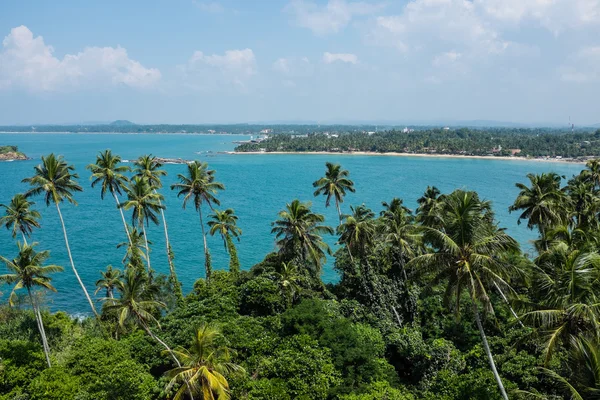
(267, 131)
(446, 128)
(514, 152)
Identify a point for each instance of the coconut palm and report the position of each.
(148, 167)
(145, 204)
(288, 279)
(19, 217)
(135, 254)
(111, 280)
(29, 273)
(204, 367)
(543, 204)
(465, 253)
(334, 184)
(298, 232)
(199, 185)
(585, 203)
(56, 181)
(427, 205)
(224, 222)
(566, 282)
(357, 231)
(136, 305)
(110, 175)
(400, 233)
(592, 172)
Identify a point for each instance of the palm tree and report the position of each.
(200, 186)
(135, 255)
(136, 304)
(224, 222)
(29, 273)
(592, 172)
(204, 367)
(288, 279)
(107, 172)
(465, 254)
(334, 184)
(543, 204)
(566, 282)
(111, 280)
(298, 232)
(148, 167)
(427, 205)
(20, 217)
(56, 181)
(145, 203)
(357, 231)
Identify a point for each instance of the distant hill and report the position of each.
(121, 122)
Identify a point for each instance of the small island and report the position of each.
(11, 153)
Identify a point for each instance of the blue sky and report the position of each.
(193, 61)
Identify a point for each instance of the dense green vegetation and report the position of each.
(492, 141)
(439, 303)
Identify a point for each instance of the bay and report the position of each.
(258, 187)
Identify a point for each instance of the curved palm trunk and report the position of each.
(207, 263)
(168, 244)
(40, 324)
(234, 262)
(122, 218)
(24, 238)
(166, 346)
(89, 299)
(508, 304)
(488, 352)
(337, 205)
(147, 249)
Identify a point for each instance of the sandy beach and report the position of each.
(392, 154)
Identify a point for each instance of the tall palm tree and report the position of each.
(19, 217)
(111, 280)
(298, 232)
(56, 181)
(224, 222)
(135, 254)
(334, 184)
(592, 172)
(465, 254)
(148, 167)
(107, 172)
(427, 205)
(199, 185)
(543, 204)
(145, 203)
(204, 367)
(28, 272)
(357, 231)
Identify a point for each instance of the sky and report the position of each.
(233, 61)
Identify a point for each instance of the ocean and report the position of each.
(257, 188)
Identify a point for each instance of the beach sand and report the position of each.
(392, 154)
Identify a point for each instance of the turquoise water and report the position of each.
(258, 186)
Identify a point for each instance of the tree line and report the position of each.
(439, 302)
(463, 141)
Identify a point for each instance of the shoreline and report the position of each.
(395, 154)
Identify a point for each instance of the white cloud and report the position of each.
(584, 66)
(445, 59)
(426, 23)
(329, 58)
(234, 67)
(555, 15)
(26, 61)
(332, 17)
(212, 7)
(293, 67)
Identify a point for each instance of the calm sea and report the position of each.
(258, 186)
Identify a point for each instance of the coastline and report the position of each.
(394, 154)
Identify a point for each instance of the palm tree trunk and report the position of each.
(147, 249)
(89, 299)
(337, 205)
(153, 336)
(234, 262)
(168, 243)
(40, 324)
(508, 304)
(24, 238)
(123, 218)
(207, 266)
(486, 347)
